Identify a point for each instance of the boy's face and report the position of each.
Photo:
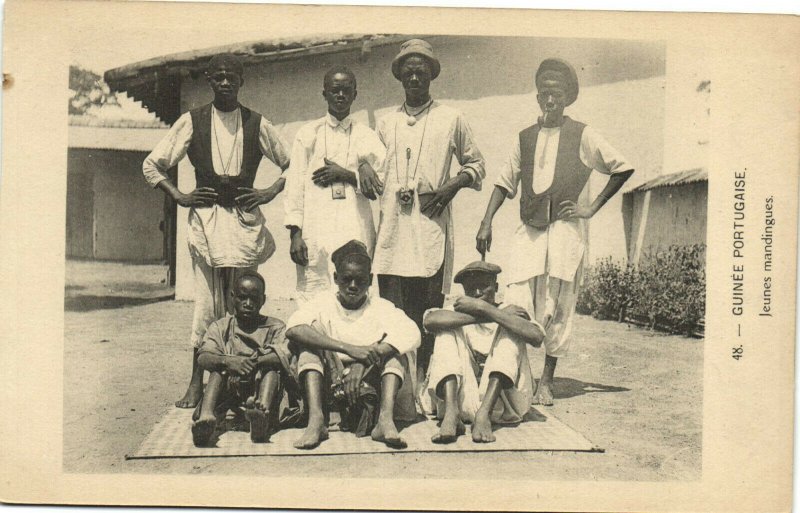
(415, 75)
(353, 279)
(480, 286)
(225, 83)
(339, 92)
(248, 298)
(552, 96)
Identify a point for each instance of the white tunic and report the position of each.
(221, 236)
(409, 243)
(329, 223)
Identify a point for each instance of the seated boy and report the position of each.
(477, 330)
(248, 359)
(365, 337)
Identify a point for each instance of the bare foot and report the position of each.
(482, 429)
(544, 394)
(203, 431)
(385, 431)
(259, 425)
(315, 434)
(191, 397)
(449, 430)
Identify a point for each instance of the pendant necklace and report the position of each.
(234, 148)
(411, 120)
(408, 150)
(325, 135)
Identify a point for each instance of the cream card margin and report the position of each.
(748, 405)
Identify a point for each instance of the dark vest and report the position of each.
(199, 153)
(569, 179)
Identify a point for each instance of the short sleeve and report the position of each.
(306, 314)
(448, 308)
(214, 339)
(599, 155)
(401, 332)
(509, 176)
(272, 144)
(169, 151)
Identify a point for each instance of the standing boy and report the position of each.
(365, 337)
(480, 341)
(248, 359)
(329, 184)
(225, 142)
(414, 251)
(550, 165)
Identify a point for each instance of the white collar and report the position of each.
(334, 123)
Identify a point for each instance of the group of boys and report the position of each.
(377, 359)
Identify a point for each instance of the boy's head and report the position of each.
(339, 90)
(353, 275)
(556, 86)
(479, 280)
(248, 295)
(225, 75)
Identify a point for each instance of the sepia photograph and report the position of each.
(407, 258)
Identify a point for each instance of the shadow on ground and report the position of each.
(89, 303)
(564, 388)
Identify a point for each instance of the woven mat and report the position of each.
(172, 438)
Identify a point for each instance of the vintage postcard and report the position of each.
(325, 257)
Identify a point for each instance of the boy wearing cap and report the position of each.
(248, 360)
(225, 142)
(479, 371)
(550, 166)
(366, 335)
(329, 184)
(414, 250)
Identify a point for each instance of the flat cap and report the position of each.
(478, 266)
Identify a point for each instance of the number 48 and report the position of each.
(737, 352)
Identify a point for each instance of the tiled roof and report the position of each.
(111, 134)
(96, 122)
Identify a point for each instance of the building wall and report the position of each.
(677, 216)
(80, 206)
(668, 215)
(126, 212)
(491, 81)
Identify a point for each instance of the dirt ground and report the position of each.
(637, 394)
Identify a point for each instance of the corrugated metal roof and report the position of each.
(93, 121)
(680, 178)
(144, 80)
(107, 138)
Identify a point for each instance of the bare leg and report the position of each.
(451, 426)
(544, 392)
(203, 428)
(317, 431)
(258, 408)
(482, 427)
(385, 431)
(195, 391)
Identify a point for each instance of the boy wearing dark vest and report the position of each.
(225, 142)
(550, 166)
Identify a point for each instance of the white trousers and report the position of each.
(452, 355)
(543, 296)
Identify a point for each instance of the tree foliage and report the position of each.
(88, 91)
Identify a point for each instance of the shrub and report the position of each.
(666, 290)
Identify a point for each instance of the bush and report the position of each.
(666, 290)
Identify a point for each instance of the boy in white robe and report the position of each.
(475, 331)
(368, 336)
